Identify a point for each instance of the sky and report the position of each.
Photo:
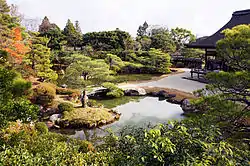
(202, 17)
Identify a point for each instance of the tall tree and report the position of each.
(142, 30)
(70, 34)
(39, 57)
(161, 39)
(82, 74)
(79, 35)
(53, 33)
(45, 26)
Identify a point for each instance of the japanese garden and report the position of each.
(163, 97)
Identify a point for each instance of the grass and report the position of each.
(88, 116)
(134, 77)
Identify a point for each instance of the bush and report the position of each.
(44, 94)
(65, 107)
(41, 128)
(65, 91)
(93, 103)
(114, 91)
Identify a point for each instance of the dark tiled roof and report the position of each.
(238, 18)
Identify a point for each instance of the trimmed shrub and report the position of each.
(65, 91)
(114, 91)
(94, 104)
(41, 127)
(65, 107)
(44, 94)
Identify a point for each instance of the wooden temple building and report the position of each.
(209, 43)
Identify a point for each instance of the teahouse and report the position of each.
(209, 43)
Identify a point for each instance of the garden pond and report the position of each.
(135, 111)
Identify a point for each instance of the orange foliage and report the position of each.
(15, 45)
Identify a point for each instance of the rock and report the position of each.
(162, 93)
(99, 93)
(135, 92)
(154, 94)
(64, 86)
(171, 95)
(187, 106)
(55, 117)
(173, 101)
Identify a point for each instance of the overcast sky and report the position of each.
(203, 17)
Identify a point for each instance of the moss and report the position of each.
(65, 107)
(88, 117)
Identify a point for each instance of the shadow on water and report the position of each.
(136, 111)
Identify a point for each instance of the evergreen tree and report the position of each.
(39, 58)
(45, 26)
(79, 36)
(53, 33)
(81, 74)
(142, 31)
(70, 34)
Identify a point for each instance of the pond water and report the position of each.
(135, 111)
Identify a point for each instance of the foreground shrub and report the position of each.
(22, 144)
(65, 107)
(44, 94)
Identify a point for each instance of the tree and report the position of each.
(70, 34)
(79, 35)
(181, 37)
(45, 26)
(108, 40)
(115, 63)
(234, 50)
(160, 60)
(145, 42)
(82, 74)
(15, 46)
(53, 33)
(161, 39)
(39, 57)
(142, 30)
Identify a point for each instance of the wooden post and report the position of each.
(206, 59)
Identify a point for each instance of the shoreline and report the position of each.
(155, 78)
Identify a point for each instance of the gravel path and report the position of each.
(172, 81)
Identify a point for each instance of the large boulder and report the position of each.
(99, 93)
(135, 92)
(187, 107)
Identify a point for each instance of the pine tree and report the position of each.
(70, 34)
(39, 58)
(79, 36)
(142, 31)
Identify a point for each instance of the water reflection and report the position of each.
(139, 112)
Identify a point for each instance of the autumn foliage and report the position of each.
(15, 45)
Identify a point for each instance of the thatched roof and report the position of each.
(238, 18)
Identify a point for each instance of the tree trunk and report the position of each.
(84, 99)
